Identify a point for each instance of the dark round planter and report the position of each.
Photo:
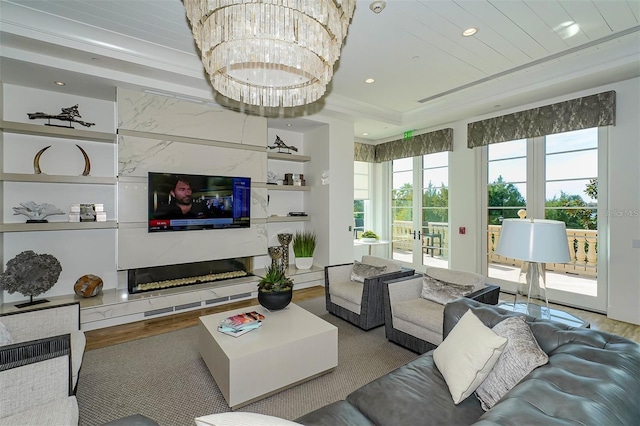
(274, 301)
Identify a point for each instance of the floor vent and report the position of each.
(218, 300)
(187, 306)
(157, 312)
(239, 296)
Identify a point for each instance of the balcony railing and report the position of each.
(582, 245)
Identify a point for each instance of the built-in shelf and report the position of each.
(44, 178)
(288, 188)
(57, 132)
(274, 219)
(56, 226)
(288, 157)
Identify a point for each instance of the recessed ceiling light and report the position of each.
(365, 134)
(469, 32)
(369, 80)
(59, 83)
(288, 124)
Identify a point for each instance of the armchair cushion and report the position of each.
(443, 292)
(460, 278)
(351, 291)
(361, 271)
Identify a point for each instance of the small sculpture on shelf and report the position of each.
(36, 161)
(70, 114)
(280, 146)
(36, 212)
(30, 274)
(88, 285)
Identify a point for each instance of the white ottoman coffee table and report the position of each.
(291, 346)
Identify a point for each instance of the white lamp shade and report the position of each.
(534, 240)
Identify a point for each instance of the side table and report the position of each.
(541, 312)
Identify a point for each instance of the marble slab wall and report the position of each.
(168, 135)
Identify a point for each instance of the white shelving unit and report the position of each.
(295, 158)
(56, 132)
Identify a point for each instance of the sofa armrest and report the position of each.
(33, 324)
(34, 373)
(337, 273)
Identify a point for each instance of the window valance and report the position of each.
(581, 113)
(426, 143)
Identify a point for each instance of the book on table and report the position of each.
(235, 332)
(242, 320)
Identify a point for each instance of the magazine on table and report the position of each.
(239, 321)
(239, 332)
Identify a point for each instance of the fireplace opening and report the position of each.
(172, 276)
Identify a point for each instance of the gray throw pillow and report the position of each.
(442, 292)
(361, 271)
(521, 356)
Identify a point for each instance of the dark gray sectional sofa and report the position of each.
(592, 378)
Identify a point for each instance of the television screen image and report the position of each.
(183, 202)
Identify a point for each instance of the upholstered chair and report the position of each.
(354, 291)
(414, 306)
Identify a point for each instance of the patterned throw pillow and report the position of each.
(442, 292)
(5, 337)
(521, 356)
(361, 271)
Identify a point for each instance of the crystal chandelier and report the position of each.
(270, 53)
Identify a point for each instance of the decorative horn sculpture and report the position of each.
(87, 163)
(36, 160)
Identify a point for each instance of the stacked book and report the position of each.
(239, 324)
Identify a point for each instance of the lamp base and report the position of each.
(532, 285)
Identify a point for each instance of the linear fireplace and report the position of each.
(171, 276)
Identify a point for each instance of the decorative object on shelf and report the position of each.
(324, 178)
(280, 145)
(272, 178)
(30, 274)
(275, 289)
(36, 161)
(70, 114)
(304, 244)
(36, 212)
(285, 240)
(294, 179)
(275, 252)
(294, 214)
(88, 285)
(369, 237)
(535, 242)
(270, 54)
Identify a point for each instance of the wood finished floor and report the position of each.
(127, 332)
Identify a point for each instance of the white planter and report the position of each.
(368, 240)
(304, 262)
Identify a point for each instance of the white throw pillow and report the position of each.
(5, 336)
(467, 355)
(242, 419)
(521, 356)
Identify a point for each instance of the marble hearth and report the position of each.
(117, 306)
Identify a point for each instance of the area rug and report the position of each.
(164, 378)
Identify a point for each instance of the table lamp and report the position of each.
(535, 242)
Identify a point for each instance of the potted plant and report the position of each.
(304, 244)
(369, 237)
(275, 289)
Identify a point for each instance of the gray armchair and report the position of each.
(360, 304)
(36, 383)
(417, 323)
(48, 321)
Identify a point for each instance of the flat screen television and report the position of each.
(182, 202)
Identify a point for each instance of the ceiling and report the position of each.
(426, 73)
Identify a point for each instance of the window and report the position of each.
(361, 197)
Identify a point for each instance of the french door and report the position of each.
(420, 210)
(559, 177)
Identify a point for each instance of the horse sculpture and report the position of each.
(280, 145)
(70, 114)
